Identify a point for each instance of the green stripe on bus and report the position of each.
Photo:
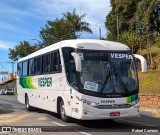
(131, 98)
(21, 82)
(26, 82)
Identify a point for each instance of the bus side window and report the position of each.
(31, 67)
(37, 65)
(25, 68)
(56, 62)
(46, 63)
(19, 69)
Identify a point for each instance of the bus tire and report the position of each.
(28, 107)
(62, 112)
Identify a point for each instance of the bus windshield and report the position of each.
(108, 72)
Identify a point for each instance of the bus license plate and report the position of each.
(114, 113)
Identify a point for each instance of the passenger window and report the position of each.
(46, 63)
(31, 67)
(56, 62)
(25, 68)
(19, 69)
(37, 65)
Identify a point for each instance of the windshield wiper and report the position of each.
(105, 81)
(118, 75)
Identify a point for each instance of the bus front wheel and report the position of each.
(63, 115)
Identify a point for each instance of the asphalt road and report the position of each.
(13, 114)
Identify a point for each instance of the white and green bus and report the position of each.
(82, 79)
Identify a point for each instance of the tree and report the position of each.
(55, 31)
(142, 16)
(75, 22)
(131, 39)
(135, 15)
(122, 12)
(65, 28)
(155, 17)
(21, 50)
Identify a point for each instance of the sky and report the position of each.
(23, 19)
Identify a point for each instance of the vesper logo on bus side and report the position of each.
(45, 82)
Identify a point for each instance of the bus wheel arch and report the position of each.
(28, 107)
(61, 110)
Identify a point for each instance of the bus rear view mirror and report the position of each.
(77, 61)
(143, 62)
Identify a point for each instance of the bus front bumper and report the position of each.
(92, 113)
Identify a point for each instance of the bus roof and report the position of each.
(90, 44)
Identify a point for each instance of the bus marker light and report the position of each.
(114, 113)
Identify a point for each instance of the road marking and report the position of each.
(5, 116)
(59, 124)
(85, 133)
(42, 118)
(139, 123)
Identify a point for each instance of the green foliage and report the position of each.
(157, 40)
(111, 36)
(131, 39)
(142, 15)
(65, 28)
(149, 81)
(21, 50)
(125, 10)
(132, 15)
(55, 31)
(75, 23)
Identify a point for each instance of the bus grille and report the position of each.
(113, 106)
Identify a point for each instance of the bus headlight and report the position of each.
(93, 104)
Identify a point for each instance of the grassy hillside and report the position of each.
(149, 82)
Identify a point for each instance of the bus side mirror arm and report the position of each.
(77, 61)
(143, 62)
